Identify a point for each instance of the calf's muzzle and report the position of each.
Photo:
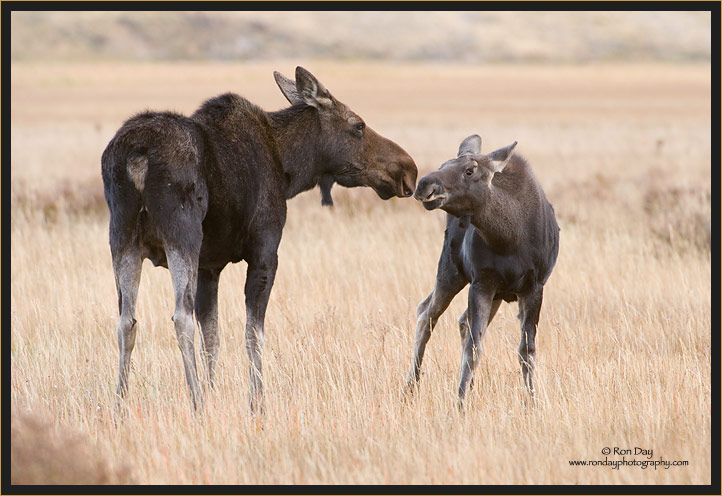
(430, 192)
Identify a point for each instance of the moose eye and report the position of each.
(469, 171)
(359, 128)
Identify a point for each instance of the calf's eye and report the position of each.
(469, 172)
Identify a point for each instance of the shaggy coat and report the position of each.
(195, 193)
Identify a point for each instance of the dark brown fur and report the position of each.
(196, 193)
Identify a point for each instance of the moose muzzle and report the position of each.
(430, 192)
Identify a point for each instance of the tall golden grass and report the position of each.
(44, 454)
(623, 153)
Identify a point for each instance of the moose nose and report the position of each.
(426, 189)
(405, 185)
(408, 176)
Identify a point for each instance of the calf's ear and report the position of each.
(499, 158)
(288, 88)
(311, 90)
(470, 146)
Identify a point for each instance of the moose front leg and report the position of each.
(325, 183)
(206, 307)
(479, 310)
(428, 313)
(259, 281)
(464, 328)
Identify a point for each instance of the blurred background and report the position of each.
(473, 37)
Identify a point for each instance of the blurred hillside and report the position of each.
(414, 36)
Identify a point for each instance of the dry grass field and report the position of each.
(623, 152)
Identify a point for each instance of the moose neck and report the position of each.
(497, 221)
(297, 133)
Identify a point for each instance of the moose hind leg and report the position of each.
(206, 307)
(529, 309)
(183, 266)
(127, 264)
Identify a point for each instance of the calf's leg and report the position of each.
(464, 327)
(479, 312)
(428, 313)
(529, 308)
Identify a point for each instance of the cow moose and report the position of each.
(193, 194)
(501, 237)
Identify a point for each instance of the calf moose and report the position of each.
(501, 237)
(195, 193)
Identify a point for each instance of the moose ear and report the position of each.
(470, 146)
(311, 91)
(499, 158)
(288, 88)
